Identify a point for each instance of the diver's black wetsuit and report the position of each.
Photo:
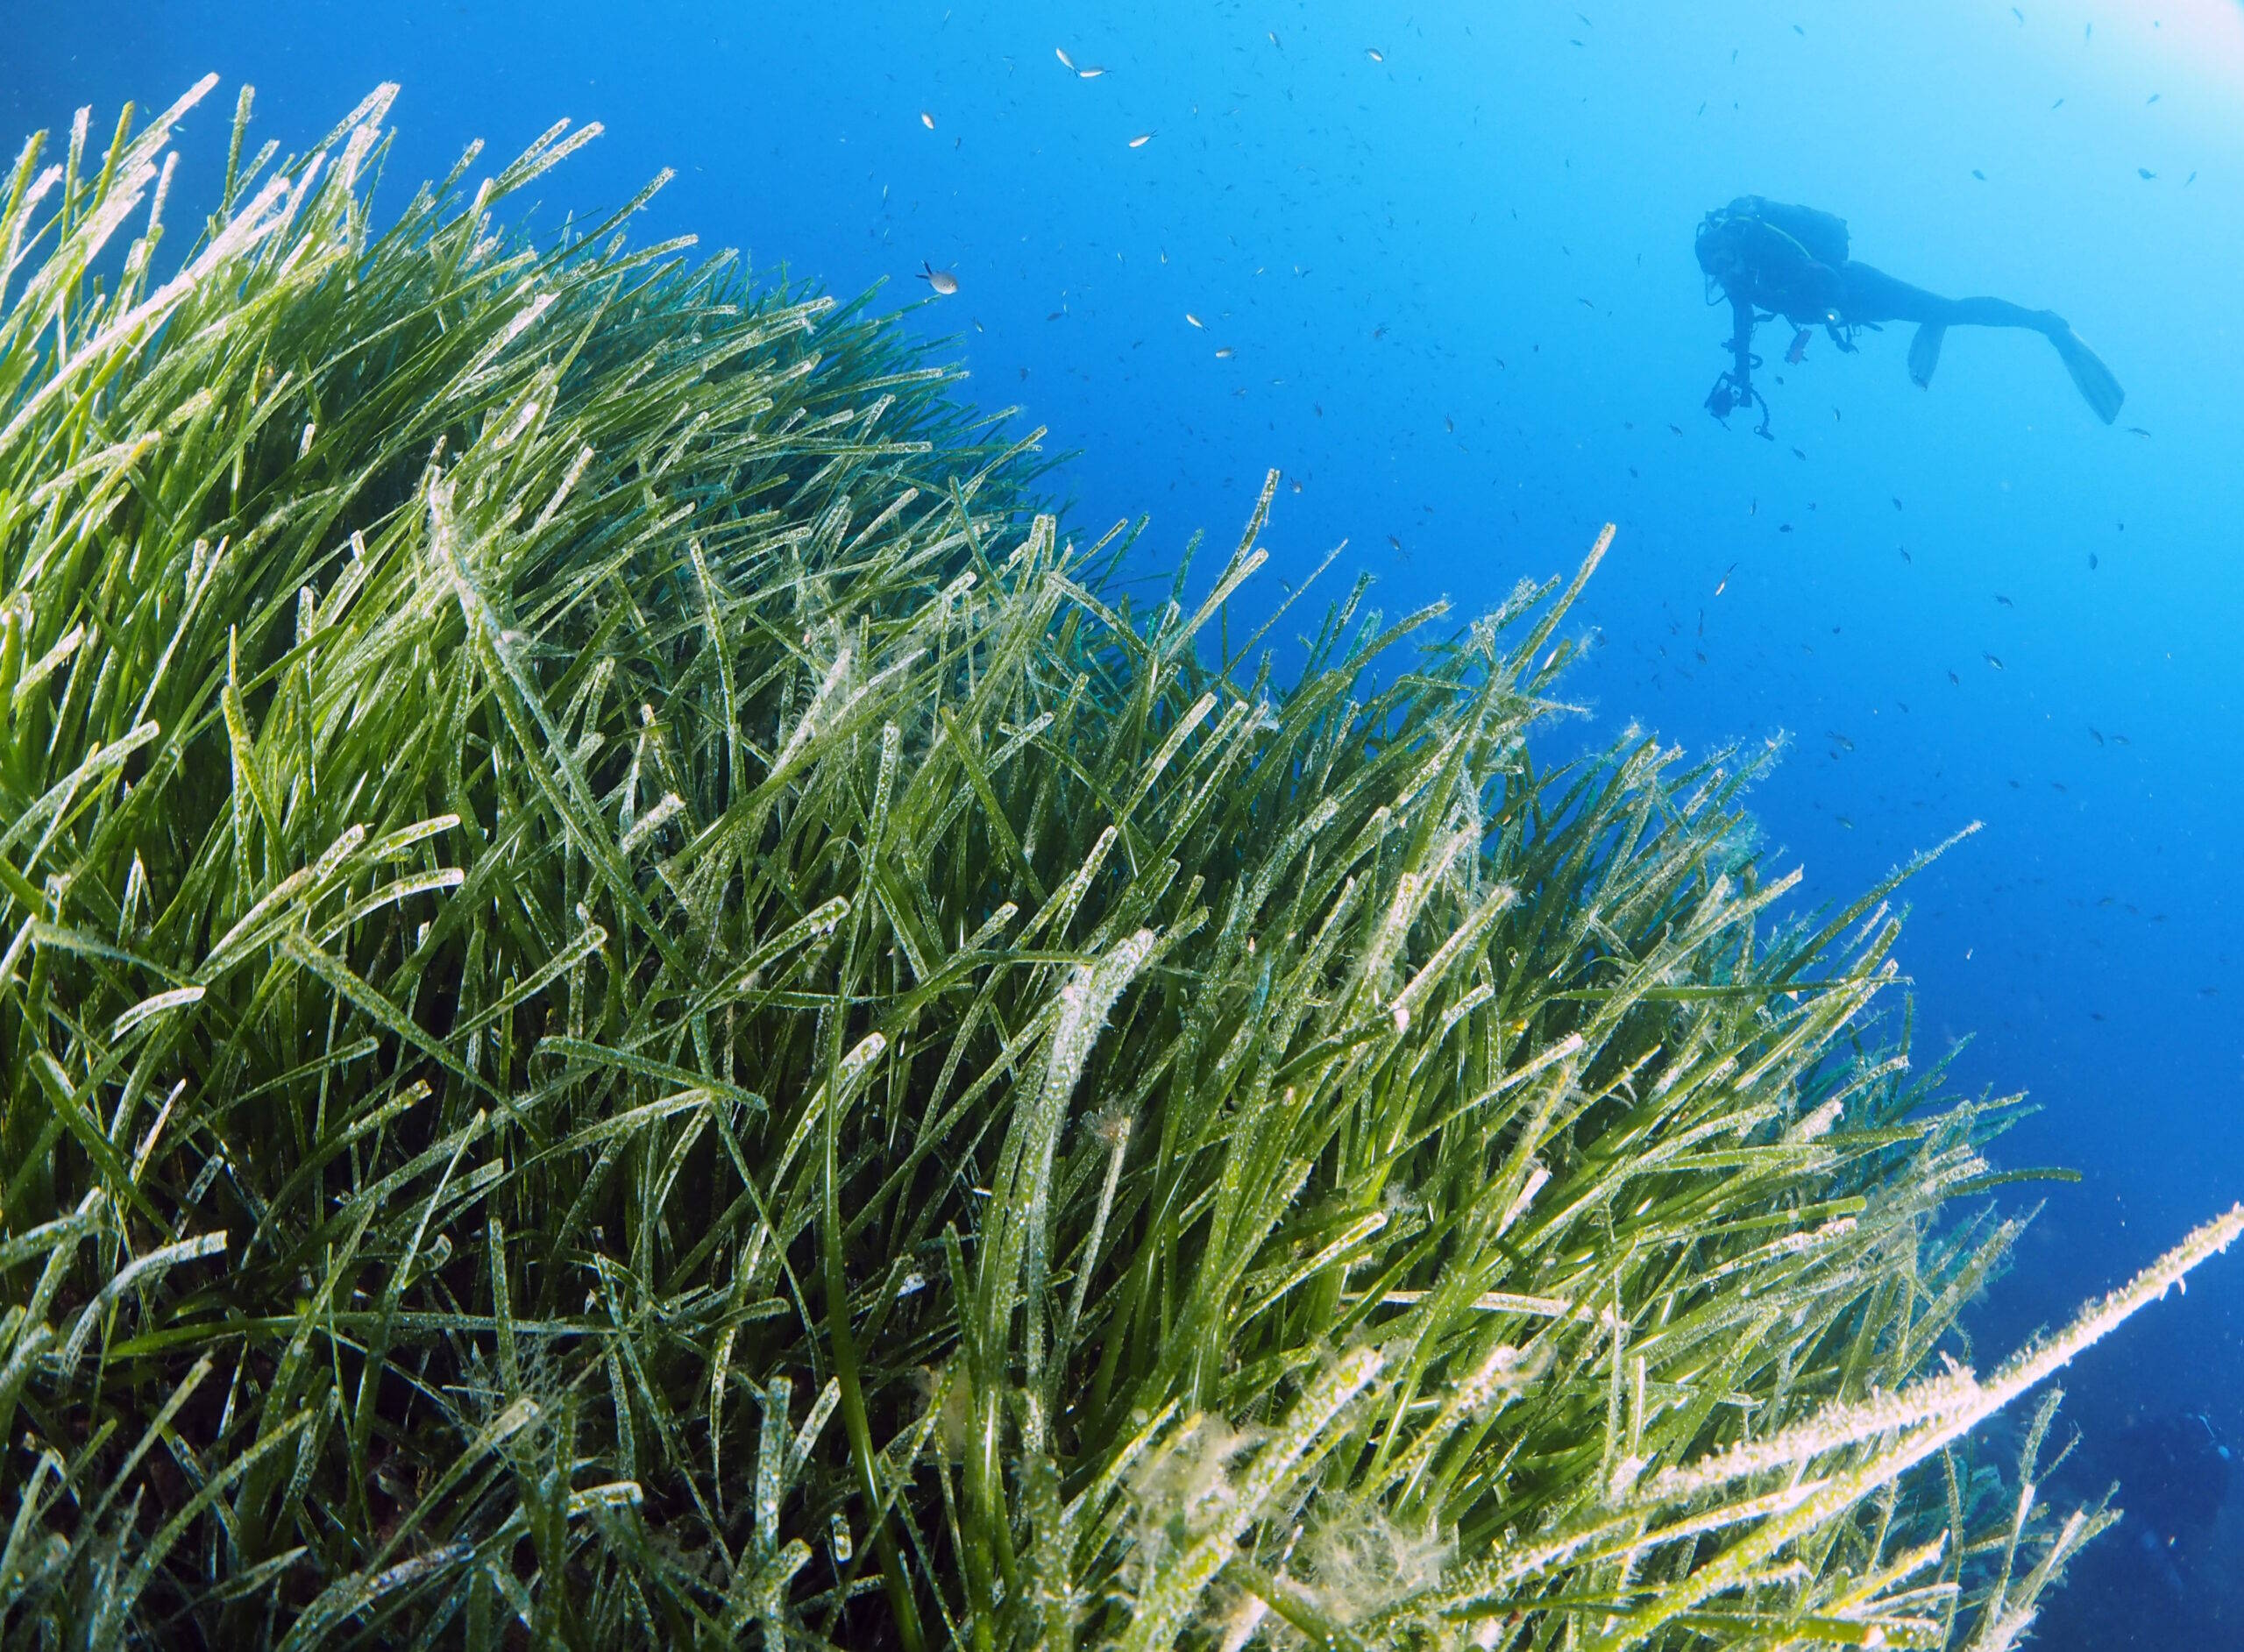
(1767, 256)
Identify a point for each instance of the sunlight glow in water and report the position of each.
(2203, 38)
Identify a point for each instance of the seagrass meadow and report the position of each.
(641, 1008)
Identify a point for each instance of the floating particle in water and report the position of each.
(1449, 424)
(943, 281)
(1956, 680)
(1141, 140)
(2020, 15)
(2191, 179)
(2092, 563)
(1903, 550)
(2059, 103)
(2153, 98)
(2136, 429)
(1297, 482)
(1981, 176)
(926, 120)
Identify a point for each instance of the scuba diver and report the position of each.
(1770, 259)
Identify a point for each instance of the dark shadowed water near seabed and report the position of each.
(1436, 263)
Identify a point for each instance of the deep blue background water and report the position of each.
(1458, 284)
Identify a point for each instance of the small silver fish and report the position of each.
(1066, 62)
(1141, 140)
(926, 120)
(943, 281)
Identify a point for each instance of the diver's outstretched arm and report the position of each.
(1741, 346)
(1735, 388)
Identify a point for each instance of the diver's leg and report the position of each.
(1999, 312)
(1871, 295)
(1868, 295)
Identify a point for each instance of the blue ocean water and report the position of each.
(1435, 263)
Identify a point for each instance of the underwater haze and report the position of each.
(1435, 263)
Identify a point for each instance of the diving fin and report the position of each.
(2090, 375)
(1924, 353)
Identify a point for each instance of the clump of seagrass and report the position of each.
(639, 1009)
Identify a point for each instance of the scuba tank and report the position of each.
(1824, 234)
